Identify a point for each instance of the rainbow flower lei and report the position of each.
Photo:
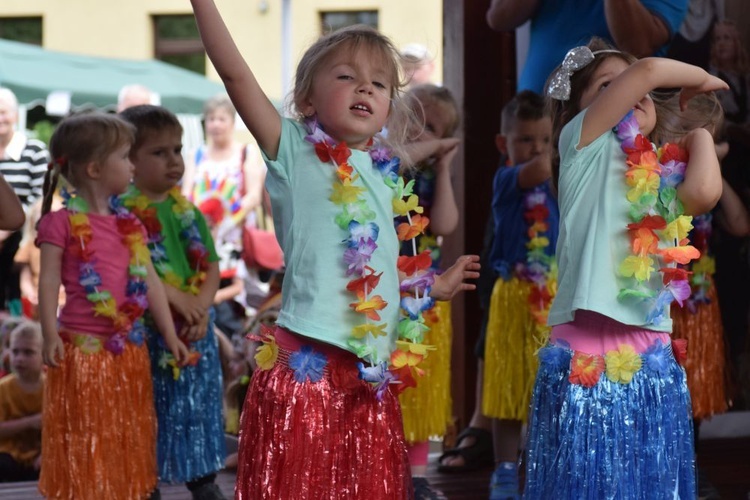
(196, 250)
(657, 216)
(356, 219)
(702, 269)
(539, 268)
(127, 317)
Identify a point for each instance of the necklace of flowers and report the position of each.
(539, 267)
(127, 317)
(356, 219)
(658, 217)
(195, 249)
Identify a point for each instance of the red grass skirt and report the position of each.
(706, 360)
(99, 426)
(329, 439)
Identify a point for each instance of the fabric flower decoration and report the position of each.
(115, 344)
(267, 353)
(361, 331)
(585, 369)
(370, 307)
(655, 358)
(307, 364)
(554, 356)
(622, 364)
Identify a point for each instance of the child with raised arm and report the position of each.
(610, 414)
(190, 441)
(99, 423)
(21, 406)
(321, 418)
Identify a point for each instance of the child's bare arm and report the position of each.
(159, 307)
(11, 211)
(210, 286)
(49, 288)
(535, 171)
(701, 188)
(734, 216)
(11, 428)
(256, 110)
(444, 212)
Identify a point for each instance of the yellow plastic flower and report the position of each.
(706, 264)
(265, 355)
(345, 193)
(642, 181)
(360, 331)
(106, 308)
(538, 242)
(403, 207)
(679, 228)
(421, 349)
(639, 266)
(622, 364)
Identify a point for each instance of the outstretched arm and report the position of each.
(613, 99)
(506, 15)
(251, 102)
(11, 211)
(634, 28)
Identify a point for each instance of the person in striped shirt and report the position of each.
(23, 162)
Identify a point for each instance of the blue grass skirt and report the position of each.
(612, 440)
(190, 439)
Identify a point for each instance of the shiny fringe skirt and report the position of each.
(612, 440)
(510, 363)
(330, 439)
(427, 408)
(190, 441)
(706, 360)
(99, 427)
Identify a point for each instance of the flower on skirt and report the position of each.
(679, 348)
(585, 369)
(655, 358)
(622, 364)
(266, 354)
(307, 364)
(554, 357)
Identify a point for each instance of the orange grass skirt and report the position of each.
(706, 360)
(99, 426)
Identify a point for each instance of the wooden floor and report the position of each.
(726, 462)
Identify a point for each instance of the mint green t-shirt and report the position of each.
(315, 302)
(593, 239)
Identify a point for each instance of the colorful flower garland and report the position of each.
(357, 220)
(127, 317)
(656, 211)
(539, 269)
(195, 249)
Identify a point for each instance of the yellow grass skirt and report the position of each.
(99, 426)
(426, 409)
(706, 359)
(510, 361)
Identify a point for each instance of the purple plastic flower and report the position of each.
(627, 130)
(357, 258)
(535, 197)
(672, 173)
(115, 344)
(316, 133)
(680, 290)
(307, 364)
(418, 282)
(378, 375)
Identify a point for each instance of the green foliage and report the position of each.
(43, 130)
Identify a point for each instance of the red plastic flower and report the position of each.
(679, 348)
(585, 369)
(410, 265)
(674, 274)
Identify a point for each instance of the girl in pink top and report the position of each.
(98, 418)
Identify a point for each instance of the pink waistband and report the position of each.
(594, 333)
(291, 342)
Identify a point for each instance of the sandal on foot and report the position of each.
(476, 456)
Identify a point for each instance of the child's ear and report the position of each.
(93, 169)
(501, 143)
(307, 108)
